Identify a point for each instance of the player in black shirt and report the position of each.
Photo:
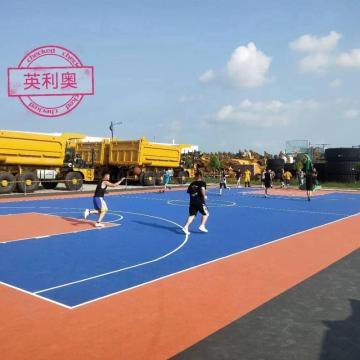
(309, 184)
(100, 206)
(197, 192)
(267, 181)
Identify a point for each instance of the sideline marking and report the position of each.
(120, 217)
(210, 262)
(37, 296)
(181, 271)
(128, 267)
(292, 210)
(211, 203)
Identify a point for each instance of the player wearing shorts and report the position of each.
(197, 193)
(222, 181)
(100, 206)
(166, 180)
(247, 178)
(267, 181)
(309, 184)
(238, 178)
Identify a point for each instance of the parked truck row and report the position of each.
(30, 159)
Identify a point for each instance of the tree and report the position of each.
(299, 162)
(214, 162)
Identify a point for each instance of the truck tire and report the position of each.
(49, 185)
(28, 182)
(142, 179)
(149, 178)
(7, 182)
(158, 180)
(73, 181)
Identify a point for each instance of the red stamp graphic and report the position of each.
(50, 81)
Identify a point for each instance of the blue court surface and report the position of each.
(77, 268)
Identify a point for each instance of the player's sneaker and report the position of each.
(86, 213)
(202, 228)
(186, 231)
(99, 225)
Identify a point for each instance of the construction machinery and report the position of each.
(138, 160)
(28, 159)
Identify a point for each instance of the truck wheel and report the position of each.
(49, 185)
(28, 182)
(149, 178)
(7, 182)
(74, 181)
(158, 180)
(142, 179)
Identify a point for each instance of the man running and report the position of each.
(197, 192)
(100, 206)
(166, 180)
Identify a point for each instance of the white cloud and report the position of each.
(207, 76)
(190, 98)
(263, 114)
(315, 63)
(247, 67)
(349, 59)
(351, 114)
(335, 83)
(323, 54)
(313, 43)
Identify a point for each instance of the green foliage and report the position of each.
(188, 162)
(299, 162)
(214, 162)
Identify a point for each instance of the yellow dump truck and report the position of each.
(139, 160)
(26, 159)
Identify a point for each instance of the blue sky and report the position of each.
(221, 74)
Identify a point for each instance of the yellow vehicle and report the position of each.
(26, 159)
(140, 160)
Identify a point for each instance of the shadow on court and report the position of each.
(173, 229)
(342, 338)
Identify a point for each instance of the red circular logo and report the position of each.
(50, 81)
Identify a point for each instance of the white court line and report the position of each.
(142, 198)
(120, 217)
(211, 261)
(292, 210)
(57, 234)
(172, 201)
(208, 203)
(188, 269)
(128, 267)
(30, 212)
(37, 296)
